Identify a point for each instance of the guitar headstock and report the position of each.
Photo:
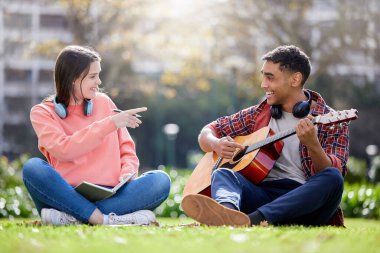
(337, 117)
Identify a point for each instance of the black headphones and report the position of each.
(62, 112)
(300, 109)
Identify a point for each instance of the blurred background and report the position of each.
(189, 62)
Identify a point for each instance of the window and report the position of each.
(45, 76)
(15, 47)
(50, 21)
(17, 105)
(17, 20)
(18, 75)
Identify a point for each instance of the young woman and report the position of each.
(84, 139)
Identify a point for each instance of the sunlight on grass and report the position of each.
(183, 235)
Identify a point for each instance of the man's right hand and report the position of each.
(225, 147)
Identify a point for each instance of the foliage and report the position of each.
(182, 236)
(357, 170)
(202, 60)
(14, 198)
(359, 199)
(374, 171)
(189, 110)
(171, 207)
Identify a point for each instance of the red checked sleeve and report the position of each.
(240, 123)
(336, 145)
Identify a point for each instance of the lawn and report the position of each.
(175, 235)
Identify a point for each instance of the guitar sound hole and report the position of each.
(239, 155)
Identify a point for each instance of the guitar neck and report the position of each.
(269, 140)
(334, 117)
(274, 138)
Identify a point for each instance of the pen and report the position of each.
(118, 110)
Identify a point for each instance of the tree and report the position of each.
(190, 61)
(343, 45)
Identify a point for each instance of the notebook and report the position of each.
(95, 192)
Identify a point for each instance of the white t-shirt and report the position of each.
(288, 165)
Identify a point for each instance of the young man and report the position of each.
(305, 185)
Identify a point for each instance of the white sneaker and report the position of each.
(55, 217)
(142, 217)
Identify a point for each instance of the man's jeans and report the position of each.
(48, 189)
(282, 201)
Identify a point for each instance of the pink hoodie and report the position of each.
(83, 147)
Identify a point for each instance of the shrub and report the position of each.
(172, 206)
(14, 198)
(358, 200)
(357, 170)
(361, 200)
(374, 171)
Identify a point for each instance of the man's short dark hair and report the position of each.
(291, 59)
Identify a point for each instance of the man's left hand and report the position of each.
(307, 132)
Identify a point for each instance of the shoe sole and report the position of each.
(207, 211)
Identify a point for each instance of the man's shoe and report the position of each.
(55, 217)
(141, 217)
(207, 211)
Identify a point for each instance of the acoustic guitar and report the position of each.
(262, 148)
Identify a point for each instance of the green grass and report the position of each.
(172, 236)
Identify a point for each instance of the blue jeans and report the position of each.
(49, 189)
(282, 201)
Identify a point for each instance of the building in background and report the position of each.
(25, 77)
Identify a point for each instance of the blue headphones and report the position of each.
(300, 109)
(62, 112)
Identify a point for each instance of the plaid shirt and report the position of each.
(333, 139)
